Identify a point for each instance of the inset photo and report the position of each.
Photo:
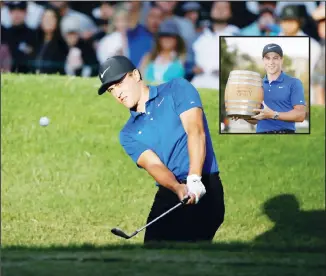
(264, 85)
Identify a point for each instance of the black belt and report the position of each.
(283, 131)
(184, 181)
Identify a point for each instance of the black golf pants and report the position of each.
(187, 223)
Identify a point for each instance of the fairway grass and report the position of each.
(66, 185)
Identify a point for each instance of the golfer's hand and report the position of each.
(265, 113)
(182, 192)
(195, 188)
(197, 70)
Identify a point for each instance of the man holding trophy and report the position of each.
(283, 95)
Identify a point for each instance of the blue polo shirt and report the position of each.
(160, 128)
(281, 95)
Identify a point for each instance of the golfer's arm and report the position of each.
(154, 166)
(192, 121)
(297, 114)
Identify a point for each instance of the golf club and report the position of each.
(120, 233)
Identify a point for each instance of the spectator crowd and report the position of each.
(165, 39)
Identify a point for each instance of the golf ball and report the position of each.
(44, 121)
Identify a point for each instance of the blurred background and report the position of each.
(164, 39)
(245, 53)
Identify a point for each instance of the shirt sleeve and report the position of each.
(297, 93)
(185, 96)
(132, 147)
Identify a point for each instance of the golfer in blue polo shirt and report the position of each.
(284, 102)
(168, 136)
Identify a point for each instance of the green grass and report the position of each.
(64, 186)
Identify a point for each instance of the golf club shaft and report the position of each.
(168, 211)
(122, 234)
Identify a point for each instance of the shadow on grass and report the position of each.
(295, 245)
(292, 226)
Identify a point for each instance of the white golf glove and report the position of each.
(195, 186)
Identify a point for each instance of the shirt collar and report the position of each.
(152, 95)
(279, 79)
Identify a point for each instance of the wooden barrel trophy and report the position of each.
(243, 93)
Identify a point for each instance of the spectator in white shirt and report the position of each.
(206, 47)
(102, 15)
(81, 57)
(115, 42)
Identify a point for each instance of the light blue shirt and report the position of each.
(173, 70)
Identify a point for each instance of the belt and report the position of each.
(184, 181)
(283, 131)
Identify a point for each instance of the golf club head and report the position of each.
(120, 233)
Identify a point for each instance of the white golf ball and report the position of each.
(44, 121)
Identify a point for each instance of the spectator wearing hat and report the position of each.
(265, 25)
(206, 46)
(191, 11)
(166, 61)
(185, 26)
(291, 22)
(88, 27)
(33, 16)
(318, 74)
(253, 6)
(305, 10)
(51, 54)
(21, 40)
(81, 59)
(309, 6)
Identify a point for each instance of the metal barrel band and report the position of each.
(240, 111)
(244, 72)
(245, 78)
(242, 101)
(244, 82)
(240, 107)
